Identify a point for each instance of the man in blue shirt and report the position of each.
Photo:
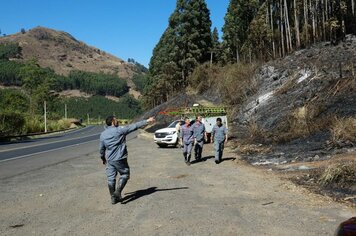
(219, 137)
(186, 134)
(113, 153)
(199, 137)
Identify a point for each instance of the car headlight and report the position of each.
(172, 132)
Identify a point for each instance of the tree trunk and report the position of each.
(288, 33)
(353, 7)
(323, 19)
(296, 25)
(306, 22)
(280, 43)
(312, 10)
(237, 54)
(273, 44)
(282, 29)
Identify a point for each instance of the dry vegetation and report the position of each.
(344, 130)
(234, 82)
(342, 174)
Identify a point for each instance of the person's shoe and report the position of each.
(216, 162)
(114, 200)
(117, 196)
(188, 163)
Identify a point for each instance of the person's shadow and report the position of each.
(228, 159)
(211, 157)
(202, 159)
(144, 192)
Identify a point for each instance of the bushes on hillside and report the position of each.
(13, 100)
(140, 82)
(9, 50)
(97, 83)
(98, 106)
(344, 130)
(234, 82)
(9, 73)
(11, 123)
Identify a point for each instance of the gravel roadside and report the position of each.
(163, 197)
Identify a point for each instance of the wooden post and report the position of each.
(45, 116)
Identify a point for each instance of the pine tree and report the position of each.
(239, 15)
(184, 45)
(216, 46)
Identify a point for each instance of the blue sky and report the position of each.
(124, 28)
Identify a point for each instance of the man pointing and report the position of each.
(113, 153)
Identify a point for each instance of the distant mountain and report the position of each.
(61, 52)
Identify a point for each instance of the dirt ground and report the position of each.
(163, 197)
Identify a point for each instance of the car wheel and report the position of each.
(162, 145)
(176, 143)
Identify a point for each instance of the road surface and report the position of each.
(68, 195)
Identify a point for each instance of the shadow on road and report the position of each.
(211, 157)
(202, 159)
(228, 159)
(144, 192)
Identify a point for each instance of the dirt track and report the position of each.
(163, 197)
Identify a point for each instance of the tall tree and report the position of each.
(183, 46)
(215, 49)
(239, 15)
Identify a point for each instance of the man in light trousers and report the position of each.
(219, 137)
(113, 153)
(186, 134)
(199, 137)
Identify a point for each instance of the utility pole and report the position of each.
(88, 117)
(211, 58)
(45, 116)
(65, 110)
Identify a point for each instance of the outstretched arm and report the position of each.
(130, 128)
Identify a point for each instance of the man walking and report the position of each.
(113, 153)
(186, 134)
(199, 137)
(219, 137)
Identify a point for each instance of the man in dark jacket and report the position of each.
(113, 152)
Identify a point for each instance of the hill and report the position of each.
(291, 101)
(63, 53)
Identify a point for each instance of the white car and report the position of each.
(167, 136)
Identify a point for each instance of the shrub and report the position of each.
(34, 124)
(340, 174)
(11, 123)
(13, 100)
(344, 129)
(204, 76)
(9, 50)
(237, 82)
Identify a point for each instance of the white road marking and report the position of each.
(36, 153)
(36, 145)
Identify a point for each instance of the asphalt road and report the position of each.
(51, 142)
(64, 192)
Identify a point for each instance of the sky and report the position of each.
(124, 28)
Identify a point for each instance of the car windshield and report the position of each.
(173, 124)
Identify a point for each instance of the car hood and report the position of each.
(165, 130)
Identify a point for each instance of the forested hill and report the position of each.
(61, 52)
(253, 31)
(47, 66)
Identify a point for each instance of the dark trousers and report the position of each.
(198, 149)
